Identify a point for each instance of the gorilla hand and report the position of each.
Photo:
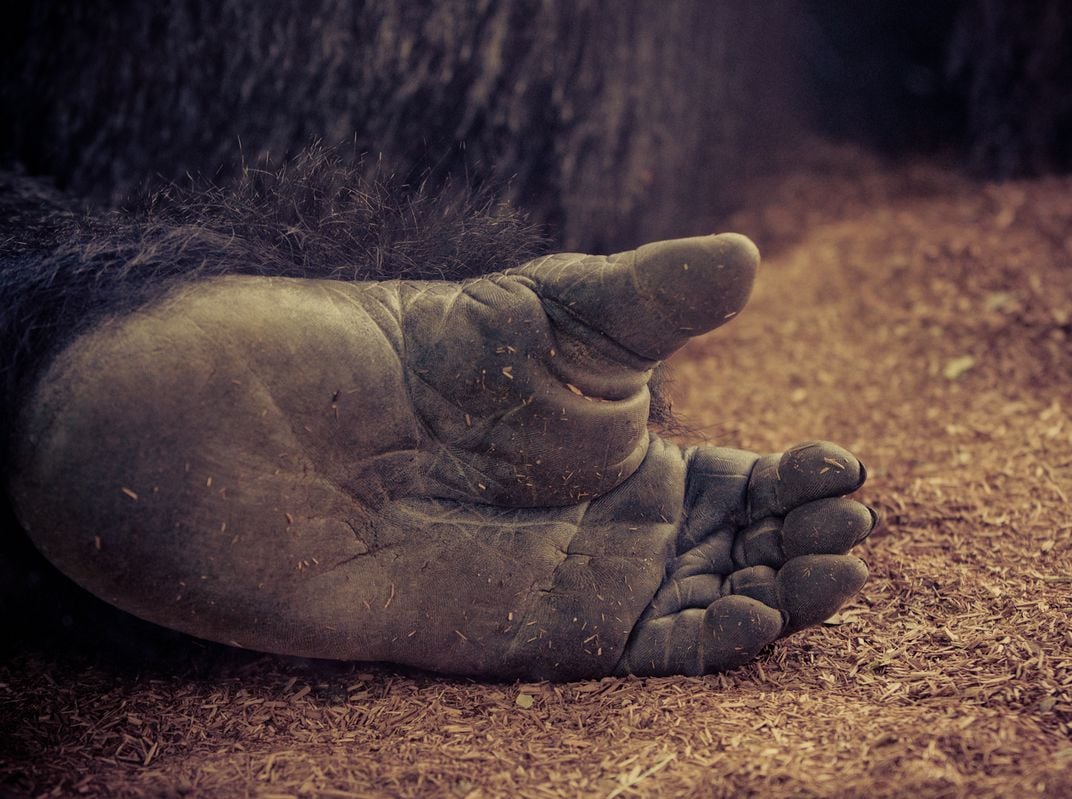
(456, 476)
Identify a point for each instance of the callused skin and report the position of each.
(456, 476)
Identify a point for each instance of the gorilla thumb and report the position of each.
(653, 299)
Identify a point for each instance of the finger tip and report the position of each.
(830, 526)
(737, 250)
(854, 573)
(819, 469)
(813, 587)
(739, 628)
(732, 260)
(876, 519)
(863, 473)
(744, 621)
(732, 253)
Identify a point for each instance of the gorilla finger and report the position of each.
(740, 627)
(651, 300)
(695, 591)
(755, 582)
(760, 544)
(729, 633)
(826, 526)
(804, 473)
(811, 588)
(713, 555)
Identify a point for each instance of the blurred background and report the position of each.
(611, 122)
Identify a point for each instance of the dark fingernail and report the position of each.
(863, 474)
(874, 523)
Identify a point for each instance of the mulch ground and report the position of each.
(922, 319)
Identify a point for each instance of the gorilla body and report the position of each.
(452, 475)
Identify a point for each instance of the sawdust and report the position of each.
(951, 675)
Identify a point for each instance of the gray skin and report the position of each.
(454, 476)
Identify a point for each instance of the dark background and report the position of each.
(610, 121)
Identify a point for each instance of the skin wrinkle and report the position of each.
(351, 558)
(365, 460)
(640, 447)
(689, 456)
(668, 599)
(448, 311)
(398, 347)
(503, 416)
(651, 302)
(490, 515)
(410, 291)
(309, 470)
(443, 447)
(777, 478)
(574, 277)
(293, 438)
(696, 561)
(602, 342)
(308, 462)
(550, 367)
(467, 289)
(408, 373)
(491, 422)
(747, 510)
(462, 469)
(532, 608)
